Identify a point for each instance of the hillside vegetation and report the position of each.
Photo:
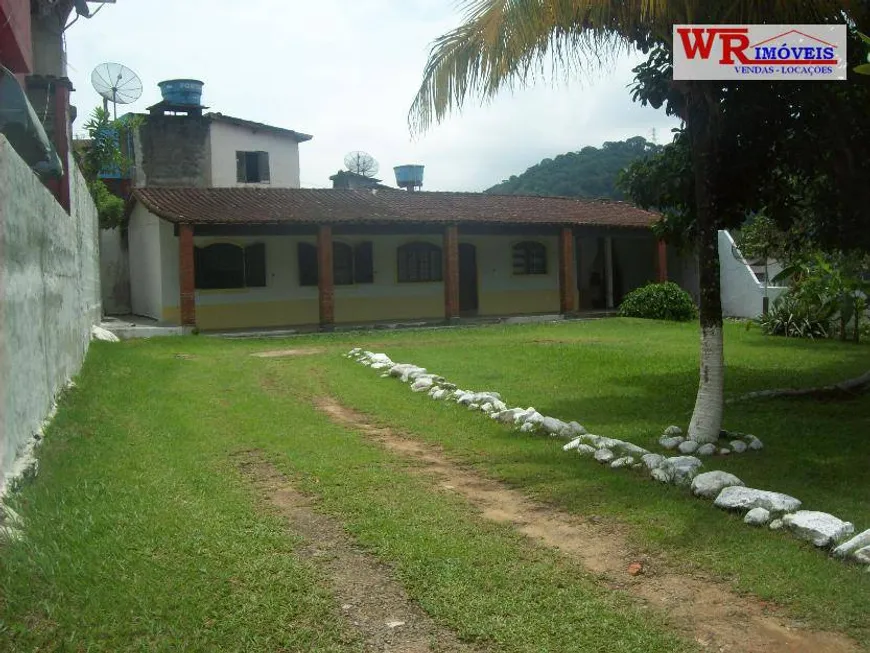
(590, 172)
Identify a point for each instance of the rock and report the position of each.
(858, 542)
(438, 394)
(586, 450)
(776, 525)
(710, 484)
(737, 446)
(473, 406)
(422, 384)
(506, 416)
(757, 517)
(862, 555)
(679, 470)
(820, 528)
(497, 405)
(637, 466)
(652, 460)
(486, 407)
(635, 569)
(380, 358)
(576, 442)
(724, 451)
(671, 443)
(706, 450)
(552, 425)
(576, 429)
(745, 498)
(609, 443)
(688, 446)
(755, 444)
(99, 333)
(604, 455)
(528, 427)
(633, 449)
(625, 461)
(673, 430)
(590, 438)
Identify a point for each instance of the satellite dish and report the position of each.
(117, 84)
(361, 163)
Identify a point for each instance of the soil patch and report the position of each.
(703, 608)
(283, 353)
(373, 603)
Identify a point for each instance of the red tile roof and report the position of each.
(339, 206)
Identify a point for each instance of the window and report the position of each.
(419, 262)
(530, 258)
(224, 265)
(350, 265)
(252, 167)
(342, 264)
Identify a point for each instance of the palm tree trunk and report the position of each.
(701, 115)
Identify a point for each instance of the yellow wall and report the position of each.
(519, 302)
(250, 314)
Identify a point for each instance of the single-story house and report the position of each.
(226, 258)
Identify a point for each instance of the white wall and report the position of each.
(145, 264)
(50, 289)
(114, 272)
(227, 139)
(742, 294)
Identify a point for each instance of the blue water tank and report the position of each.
(184, 92)
(409, 176)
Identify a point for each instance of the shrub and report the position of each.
(659, 301)
(793, 316)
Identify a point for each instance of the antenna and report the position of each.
(361, 163)
(117, 84)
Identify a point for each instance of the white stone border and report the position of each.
(762, 507)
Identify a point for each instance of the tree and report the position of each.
(506, 42)
(590, 172)
(102, 153)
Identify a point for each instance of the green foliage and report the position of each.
(794, 316)
(110, 207)
(827, 288)
(659, 301)
(103, 152)
(864, 68)
(760, 238)
(591, 172)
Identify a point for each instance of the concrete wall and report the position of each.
(49, 57)
(227, 139)
(146, 292)
(172, 151)
(114, 272)
(742, 294)
(50, 285)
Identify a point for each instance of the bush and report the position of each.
(659, 301)
(793, 316)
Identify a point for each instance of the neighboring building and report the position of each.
(37, 120)
(229, 258)
(353, 181)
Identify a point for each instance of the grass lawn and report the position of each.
(143, 535)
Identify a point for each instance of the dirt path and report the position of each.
(702, 608)
(372, 601)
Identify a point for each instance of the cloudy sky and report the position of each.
(347, 71)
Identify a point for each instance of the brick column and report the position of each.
(325, 284)
(61, 130)
(567, 283)
(450, 264)
(186, 275)
(662, 262)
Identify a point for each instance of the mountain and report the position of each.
(591, 172)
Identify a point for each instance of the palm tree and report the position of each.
(507, 42)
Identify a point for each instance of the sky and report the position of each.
(346, 72)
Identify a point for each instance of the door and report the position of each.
(467, 279)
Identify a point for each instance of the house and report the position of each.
(227, 258)
(221, 236)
